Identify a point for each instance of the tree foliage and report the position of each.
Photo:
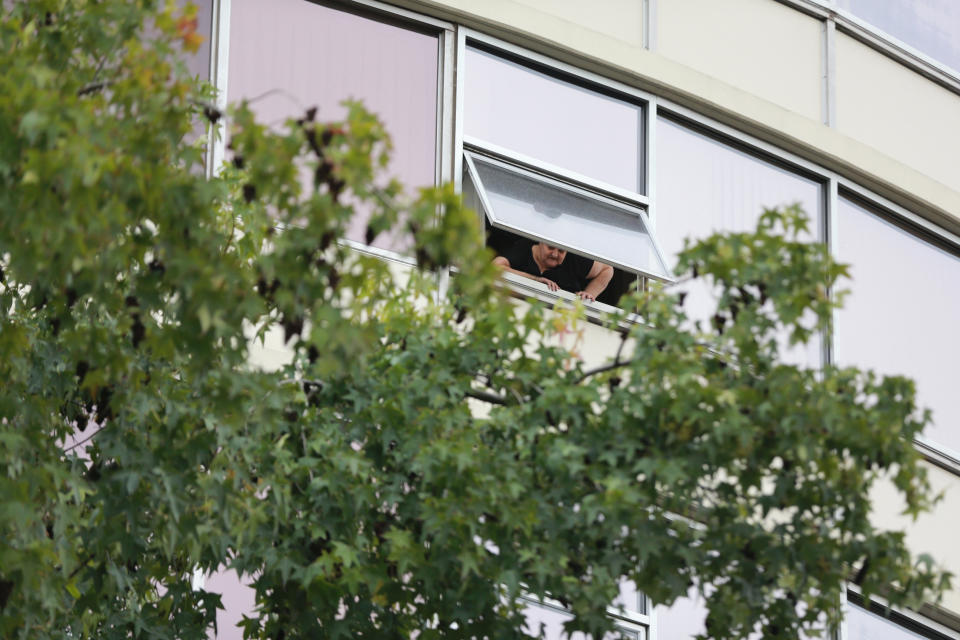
(424, 458)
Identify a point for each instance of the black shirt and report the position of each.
(570, 275)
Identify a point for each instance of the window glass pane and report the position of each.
(930, 26)
(630, 599)
(198, 63)
(903, 312)
(544, 211)
(684, 619)
(705, 186)
(865, 625)
(557, 122)
(288, 55)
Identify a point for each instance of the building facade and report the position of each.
(617, 128)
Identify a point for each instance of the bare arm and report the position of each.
(504, 264)
(597, 280)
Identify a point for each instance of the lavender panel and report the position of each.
(902, 314)
(288, 55)
(704, 186)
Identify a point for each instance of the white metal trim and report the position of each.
(944, 457)
(441, 130)
(809, 7)
(595, 312)
(617, 193)
(900, 212)
(478, 187)
(563, 67)
(650, 180)
(220, 65)
(909, 614)
(446, 122)
(458, 110)
(829, 84)
(649, 17)
(829, 355)
(393, 10)
(384, 254)
(841, 631)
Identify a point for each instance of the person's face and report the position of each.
(551, 256)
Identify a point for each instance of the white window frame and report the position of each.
(584, 185)
(533, 59)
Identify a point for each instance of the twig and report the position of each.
(281, 92)
(486, 396)
(93, 87)
(233, 226)
(80, 566)
(617, 363)
(77, 444)
(607, 367)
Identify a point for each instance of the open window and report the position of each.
(557, 158)
(538, 208)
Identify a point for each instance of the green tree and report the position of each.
(364, 489)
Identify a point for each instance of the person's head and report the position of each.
(550, 256)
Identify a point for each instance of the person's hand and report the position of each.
(550, 283)
(586, 296)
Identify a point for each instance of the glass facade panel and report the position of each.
(684, 619)
(866, 625)
(288, 55)
(929, 26)
(539, 210)
(558, 122)
(705, 186)
(903, 312)
(198, 63)
(630, 599)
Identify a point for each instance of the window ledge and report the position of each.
(596, 312)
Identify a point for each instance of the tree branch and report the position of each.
(485, 396)
(607, 367)
(87, 439)
(93, 87)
